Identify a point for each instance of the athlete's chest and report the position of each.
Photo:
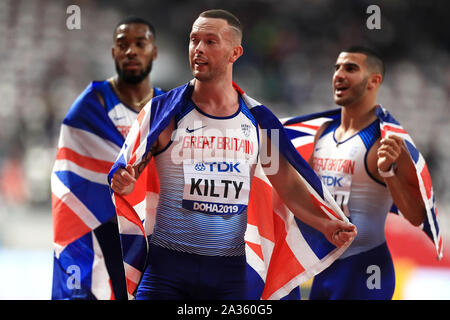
(201, 137)
(122, 117)
(216, 158)
(343, 158)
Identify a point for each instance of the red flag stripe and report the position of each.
(89, 163)
(425, 174)
(388, 128)
(256, 249)
(124, 209)
(259, 208)
(322, 206)
(309, 126)
(67, 225)
(285, 267)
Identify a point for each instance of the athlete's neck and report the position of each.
(354, 120)
(134, 95)
(217, 98)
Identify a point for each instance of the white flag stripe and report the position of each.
(301, 141)
(60, 191)
(128, 228)
(100, 277)
(87, 144)
(93, 176)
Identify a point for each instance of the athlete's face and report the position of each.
(350, 78)
(133, 52)
(212, 48)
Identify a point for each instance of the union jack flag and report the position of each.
(89, 143)
(281, 251)
(302, 130)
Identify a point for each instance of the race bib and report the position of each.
(339, 186)
(216, 187)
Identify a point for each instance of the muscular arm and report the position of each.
(124, 179)
(403, 186)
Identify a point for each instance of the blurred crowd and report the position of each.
(290, 47)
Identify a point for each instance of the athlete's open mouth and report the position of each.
(338, 89)
(200, 62)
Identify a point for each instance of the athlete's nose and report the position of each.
(199, 48)
(338, 76)
(131, 51)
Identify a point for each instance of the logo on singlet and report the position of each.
(246, 129)
(192, 130)
(200, 167)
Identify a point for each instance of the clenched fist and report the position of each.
(123, 180)
(388, 152)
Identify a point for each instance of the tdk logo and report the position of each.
(218, 166)
(330, 181)
(200, 167)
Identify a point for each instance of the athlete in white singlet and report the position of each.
(365, 174)
(206, 158)
(205, 177)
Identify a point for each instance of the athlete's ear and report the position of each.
(155, 52)
(375, 80)
(237, 52)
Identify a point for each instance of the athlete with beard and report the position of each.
(380, 173)
(121, 98)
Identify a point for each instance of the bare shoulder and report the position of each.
(321, 129)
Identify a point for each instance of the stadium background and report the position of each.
(290, 49)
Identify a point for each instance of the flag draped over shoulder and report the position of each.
(89, 143)
(282, 252)
(302, 129)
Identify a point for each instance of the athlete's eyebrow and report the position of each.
(122, 36)
(346, 64)
(199, 33)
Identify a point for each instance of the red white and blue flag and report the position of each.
(88, 145)
(282, 252)
(302, 130)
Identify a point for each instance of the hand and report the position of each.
(339, 232)
(388, 152)
(123, 180)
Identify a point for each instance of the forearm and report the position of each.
(403, 185)
(293, 192)
(295, 195)
(305, 210)
(407, 198)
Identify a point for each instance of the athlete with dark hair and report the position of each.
(380, 173)
(115, 103)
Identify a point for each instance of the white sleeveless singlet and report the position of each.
(342, 167)
(205, 175)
